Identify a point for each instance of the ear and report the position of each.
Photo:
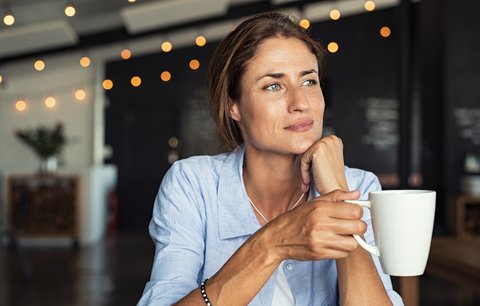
(234, 109)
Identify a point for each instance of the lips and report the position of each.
(301, 126)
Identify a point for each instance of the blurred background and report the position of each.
(99, 97)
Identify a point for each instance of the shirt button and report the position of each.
(289, 267)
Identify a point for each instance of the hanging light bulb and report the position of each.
(70, 9)
(332, 47)
(126, 54)
(369, 5)
(85, 61)
(385, 32)
(39, 65)
(107, 84)
(21, 105)
(50, 102)
(165, 76)
(194, 64)
(8, 18)
(166, 46)
(136, 81)
(80, 94)
(200, 41)
(335, 14)
(304, 23)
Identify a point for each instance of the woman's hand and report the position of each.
(325, 157)
(318, 229)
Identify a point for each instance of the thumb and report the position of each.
(339, 195)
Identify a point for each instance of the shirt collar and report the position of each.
(236, 217)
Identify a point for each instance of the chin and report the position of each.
(301, 147)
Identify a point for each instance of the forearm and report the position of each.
(359, 282)
(241, 278)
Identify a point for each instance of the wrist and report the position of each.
(264, 245)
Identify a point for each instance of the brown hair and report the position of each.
(232, 55)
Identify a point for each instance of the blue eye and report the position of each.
(273, 87)
(310, 82)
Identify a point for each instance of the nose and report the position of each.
(298, 100)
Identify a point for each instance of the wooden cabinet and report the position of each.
(43, 206)
(468, 216)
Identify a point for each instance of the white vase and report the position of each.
(48, 165)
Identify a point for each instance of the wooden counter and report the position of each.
(451, 259)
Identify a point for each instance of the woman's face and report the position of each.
(281, 105)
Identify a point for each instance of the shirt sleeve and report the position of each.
(177, 229)
(371, 183)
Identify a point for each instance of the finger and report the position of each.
(336, 244)
(337, 210)
(349, 227)
(332, 254)
(305, 165)
(345, 244)
(341, 195)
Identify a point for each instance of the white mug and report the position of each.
(402, 227)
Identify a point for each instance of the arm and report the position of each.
(310, 232)
(359, 280)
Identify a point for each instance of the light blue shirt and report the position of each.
(202, 216)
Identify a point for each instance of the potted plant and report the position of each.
(46, 142)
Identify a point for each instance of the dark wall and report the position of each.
(362, 81)
(140, 121)
(448, 45)
(462, 87)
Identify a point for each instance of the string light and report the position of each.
(200, 41)
(304, 23)
(132, 1)
(194, 64)
(1, 79)
(8, 18)
(335, 14)
(50, 102)
(80, 94)
(165, 76)
(385, 32)
(39, 65)
(107, 84)
(369, 5)
(70, 10)
(85, 61)
(136, 81)
(21, 105)
(173, 142)
(167, 46)
(332, 47)
(126, 54)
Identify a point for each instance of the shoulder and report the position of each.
(197, 169)
(364, 181)
(200, 163)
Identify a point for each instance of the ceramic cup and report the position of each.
(402, 226)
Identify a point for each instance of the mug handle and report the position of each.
(370, 248)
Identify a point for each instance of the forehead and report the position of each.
(278, 52)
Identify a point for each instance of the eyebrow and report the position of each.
(278, 75)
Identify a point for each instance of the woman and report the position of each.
(252, 221)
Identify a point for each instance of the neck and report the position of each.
(272, 181)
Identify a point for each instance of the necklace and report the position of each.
(263, 217)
